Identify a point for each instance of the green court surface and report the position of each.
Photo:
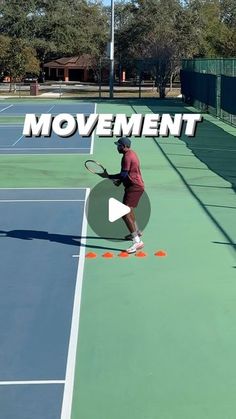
(157, 334)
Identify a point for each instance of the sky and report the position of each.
(108, 2)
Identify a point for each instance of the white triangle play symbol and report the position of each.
(116, 210)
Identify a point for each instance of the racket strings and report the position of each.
(94, 167)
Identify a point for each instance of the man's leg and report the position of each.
(130, 222)
(132, 225)
(135, 224)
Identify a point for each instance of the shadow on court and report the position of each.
(60, 238)
(212, 145)
(216, 149)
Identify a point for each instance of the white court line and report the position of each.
(48, 187)
(17, 140)
(44, 148)
(41, 200)
(92, 139)
(71, 358)
(5, 125)
(34, 155)
(6, 108)
(51, 108)
(13, 383)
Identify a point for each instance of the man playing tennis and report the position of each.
(131, 177)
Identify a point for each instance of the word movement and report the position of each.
(108, 125)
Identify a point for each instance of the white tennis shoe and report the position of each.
(130, 236)
(135, 247)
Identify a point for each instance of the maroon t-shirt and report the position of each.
(130, 163)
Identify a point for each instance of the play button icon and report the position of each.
(116, 210)
(104, 206)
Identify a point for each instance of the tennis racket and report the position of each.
(94, 167)
(98, 169)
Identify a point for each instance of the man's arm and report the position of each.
(120, 176)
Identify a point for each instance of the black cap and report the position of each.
(125, 141)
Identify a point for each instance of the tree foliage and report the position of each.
(19, 58)
(56, 27)
(160, 32)
(71, 27)
(216, 24)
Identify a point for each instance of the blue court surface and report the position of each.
(20, 109)
(42, 256)
(12, 140)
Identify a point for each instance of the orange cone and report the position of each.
(108, 255)
(140, 254)
(123, 255)
(91, 255)
(160, 253)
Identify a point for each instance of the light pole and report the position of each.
(112, 50)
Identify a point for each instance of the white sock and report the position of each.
(136, 238)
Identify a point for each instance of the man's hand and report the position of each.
(104, 174)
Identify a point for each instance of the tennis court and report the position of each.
(40, 275)
(14, 142)
(152, 337)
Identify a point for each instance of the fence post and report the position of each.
(140, 90)
(218, 95)
(60, 91)
(100, 78)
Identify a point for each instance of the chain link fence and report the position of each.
(134, 87)
(210, 85)
(137, 79)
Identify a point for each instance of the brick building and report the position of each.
(79, 68)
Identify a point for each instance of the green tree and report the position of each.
(161, 32)
(5, 45)
(228, 12)
(20, 58)
(70, 27)
(16, 18)
(56, 27)
(215, 20)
